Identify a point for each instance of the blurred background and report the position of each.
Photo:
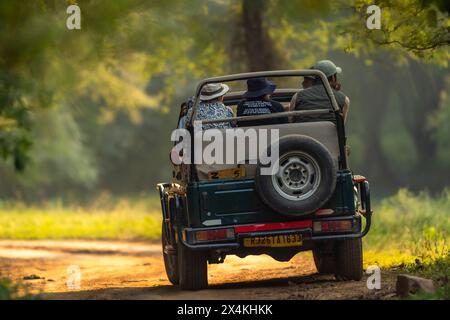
(88, 112)
(86, 115)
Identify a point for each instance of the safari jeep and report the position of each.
(312, 201)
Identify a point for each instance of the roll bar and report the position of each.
(260, 74)
(340, 127)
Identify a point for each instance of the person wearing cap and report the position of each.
(307, 82)
(211, 106)
(315, 96)
(257, 102)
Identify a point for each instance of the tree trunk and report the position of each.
(259, 52)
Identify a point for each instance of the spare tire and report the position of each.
(305, 180)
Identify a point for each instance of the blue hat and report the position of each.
(258, 87)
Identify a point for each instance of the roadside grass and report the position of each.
(105, 219)
(407, 227)
(411, 234)
(11, 291)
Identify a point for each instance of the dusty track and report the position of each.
(134, 270)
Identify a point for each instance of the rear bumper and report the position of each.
(308, 233)
(306, 228)
(303, 227)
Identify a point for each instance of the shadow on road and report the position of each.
(231, 290)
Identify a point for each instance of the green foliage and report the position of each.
(411, 233)
(409, 28)
(413, 224)
(14, 123)
(439, 271)
(43, 64)
(116, 84)
(11, 291)
(110, 66)
(64, 163)
(105, 218)
(440, 122)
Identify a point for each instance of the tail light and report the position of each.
(333, 226)
(215, 234)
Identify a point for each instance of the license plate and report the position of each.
(234, 173)
(287, 240)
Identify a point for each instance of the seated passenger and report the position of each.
(315, 97)
(257, 102)
(185, 106)
(211, 106)
(307, 82)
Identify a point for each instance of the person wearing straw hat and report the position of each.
(257, 102)
(211, 106)
(314, 96)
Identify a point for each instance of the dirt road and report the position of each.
(135, 270)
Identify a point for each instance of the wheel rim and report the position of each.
(298, 176)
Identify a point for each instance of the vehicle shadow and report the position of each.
(214, 291)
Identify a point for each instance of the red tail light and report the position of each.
(216, 234)
(333, 226)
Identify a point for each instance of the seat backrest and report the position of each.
(322, 131)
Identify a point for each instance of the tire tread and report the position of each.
(349, 259)
(193, 269)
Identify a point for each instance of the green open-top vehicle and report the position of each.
(312, 202)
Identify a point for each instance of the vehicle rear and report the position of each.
(312, 201)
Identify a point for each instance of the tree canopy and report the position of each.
(109, 91)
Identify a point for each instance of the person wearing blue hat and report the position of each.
(257, 102)
(314, 96)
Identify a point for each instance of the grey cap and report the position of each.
(328, 67)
